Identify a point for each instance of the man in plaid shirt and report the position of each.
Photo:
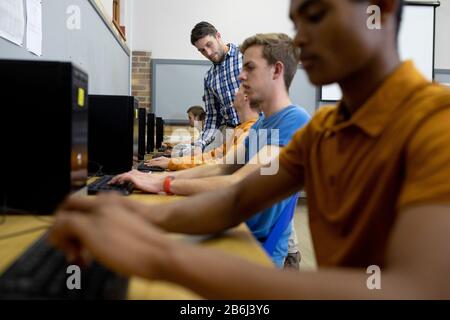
(221, 82)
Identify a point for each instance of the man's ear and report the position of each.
(278, 68)
(218, 36)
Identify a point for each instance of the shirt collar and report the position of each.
(247, 123)
(375, 113)
(233, 50)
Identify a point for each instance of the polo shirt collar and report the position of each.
(376, 112)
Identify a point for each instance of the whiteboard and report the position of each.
(416, 42)
(178, 84)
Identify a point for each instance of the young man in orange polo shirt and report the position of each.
(375, 167)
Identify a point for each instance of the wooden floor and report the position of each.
(304, 239)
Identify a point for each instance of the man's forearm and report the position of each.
(225, 207)
(187, 187)
(204, 171)
(213, 209)
(235, 278)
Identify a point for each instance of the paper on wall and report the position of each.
(12, 21)
(34, 26)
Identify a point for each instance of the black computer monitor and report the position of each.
(142, 119)
(44, 119)
(111, 134)
(150, 132)
(136, 131)
(159, 132)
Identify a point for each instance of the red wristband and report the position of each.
(166, 185)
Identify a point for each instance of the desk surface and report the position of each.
(237, 241)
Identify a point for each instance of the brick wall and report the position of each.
(141, 78)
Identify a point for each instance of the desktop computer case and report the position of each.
(44, 118)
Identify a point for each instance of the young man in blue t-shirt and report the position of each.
(270, 63)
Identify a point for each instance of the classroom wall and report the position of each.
(108, 6)
(126, 12)
(164, 26)
(442, 36)
(93, 47)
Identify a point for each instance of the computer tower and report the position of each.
(111, 126)
(159, 132)
(44, 131)
(150, 132)
(142, 115)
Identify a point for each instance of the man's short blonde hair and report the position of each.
(277, 47)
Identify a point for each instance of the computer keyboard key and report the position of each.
(145, 168)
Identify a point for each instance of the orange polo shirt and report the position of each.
(238, 137)
(359, 174)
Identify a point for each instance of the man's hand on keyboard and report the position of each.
(143, 181)
(161, 162)
(105, 228)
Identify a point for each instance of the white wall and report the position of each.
(163, 26)
(108, 6)
(443, 35)
(126, 19)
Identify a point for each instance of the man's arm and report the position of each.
(225, 207)
(233, 161)
(185, 187)
(213, 118)
(416, 266)
(217, 210)
(152, 183)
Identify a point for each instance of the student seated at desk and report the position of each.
(270, 65)
(196, 116)
(375, 168)
(247, 115)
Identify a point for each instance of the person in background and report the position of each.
(220, 84)
(196, 117)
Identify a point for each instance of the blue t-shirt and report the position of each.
(278, 129)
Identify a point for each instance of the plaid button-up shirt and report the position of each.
(221, 84)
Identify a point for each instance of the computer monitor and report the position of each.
(150, 132)
(142, 118)
(44, 132)
(111, 134)
(159, 132)
(136, 131)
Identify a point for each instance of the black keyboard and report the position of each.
(41, 273)
(144, 168)
(101, 185)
